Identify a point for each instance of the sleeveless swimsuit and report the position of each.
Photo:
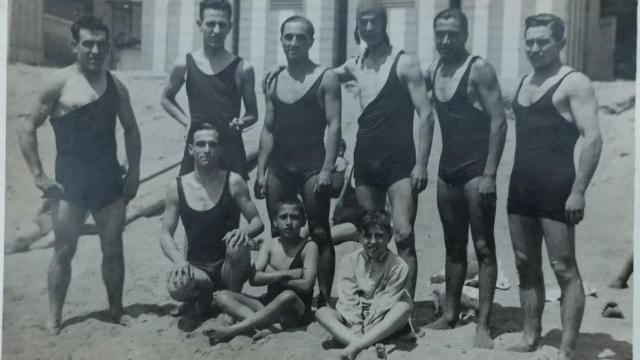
(543, 167)
(86, 155)
(205, 229)
(275, 289)
(298, 147)
(465, 133)
(385, 151)
(216, 98)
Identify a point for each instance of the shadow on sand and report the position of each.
(133, 310)
(592, 345)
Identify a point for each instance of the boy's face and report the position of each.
(374, 240)
(289, 221)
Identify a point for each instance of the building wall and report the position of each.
(25, 31)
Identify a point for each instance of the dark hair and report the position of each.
(201, 125)
(378, 217)
(342, 145)
(88, 22)
(223, 5)
(453, 13)
(555, 23)
(380, 9)
(295, 202)
(299, 19)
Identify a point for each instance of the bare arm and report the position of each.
(266, 145)
(486, 82)
(584, 108)
(248, 83)
(260, 276)
(344, 72)
(309, 269)
(168, 99)
(240, 192)
(46, 101)
(409, 72)
(169, 225)
(332, 99)
(131, 142)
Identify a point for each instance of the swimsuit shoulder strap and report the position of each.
(515, 97)
(181, 197)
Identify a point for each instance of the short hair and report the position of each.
(299, 19)
(554, 22)
(378, 217)
(293, 201)
(223, 5)
(88, 22)
(201, 125)
(453, 13)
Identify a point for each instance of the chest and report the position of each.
(290, 90)
(78, 92)
(212, 66)
(544, 103)
(200, 198)
(281, 258)
(448, 81)
(372, 277)
(371, 78)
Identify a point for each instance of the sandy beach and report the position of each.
(603, 242)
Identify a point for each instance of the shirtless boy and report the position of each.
(288, 265)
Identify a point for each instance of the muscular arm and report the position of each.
(584, 108)
(168, 99)
(409, 72)
(169, 224)
(45, 103)
(260, 276)
(344, 72)
(332, 99)
(248, 81)
(309, 269)
(486, 83)
(131, 141)
(240, 192)
(266, 141)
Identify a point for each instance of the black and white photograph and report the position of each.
(319, 179)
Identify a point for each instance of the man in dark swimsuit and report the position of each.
(209, 201)
(473, 126)
(216, 81)
(554, 106)
(302, 102)
(82, 102)
(386, 161)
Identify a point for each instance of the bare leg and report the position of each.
(403, 212)
(235, 269)
(68, 220)
(395, 319)
(318, 207)
(332, 321)
(110, 222)
(342, 233)
(526, 238)
(282, 304)
(482, 219)
(560, 241)
(454, 214)
(621, 281)
(238, 306)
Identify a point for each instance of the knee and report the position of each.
(222, 298)
(403, 310)
(529, 272)
(64, 253)
(320, 232)
(238, 254)
(288, 297)
(403, 235)
(565, 269)
(485, 254)
(456, 251)
(182, 293)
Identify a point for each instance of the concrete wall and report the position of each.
(25, 31)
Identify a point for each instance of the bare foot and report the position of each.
(524, 347)
(262, 333)
(618, 284)
(347, 354)
(483, 339)
(217, 335)
(441, 324)
(53, 327)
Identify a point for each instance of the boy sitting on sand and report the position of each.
(372, 300)
(288, 265)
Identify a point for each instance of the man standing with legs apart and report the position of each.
(468, 101)
(209, 202)
(82, 102)
(302, 102)
(216, 81)
(554, 106)
(386, 162)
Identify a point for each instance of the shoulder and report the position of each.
(576, 82)
(397, 263)
(428, 68)
(172, 191)
(310, 248)
(482, 69)
(236, 183)
(53, 85)
(122, 89)
(408, 61)
(330, 79)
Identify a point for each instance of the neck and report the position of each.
(290, 240)
(547, 70)
(213, 52)
(205, 175)
(380, 49)
(296, 67)
(456, 59)
(92, 77)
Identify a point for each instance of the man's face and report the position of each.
(296, 40)
(289, 221)
(371, 28)
(450, 37)
(206, 148)
(541, 47)
(215, 26)
(91, 49)
(374, 240)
